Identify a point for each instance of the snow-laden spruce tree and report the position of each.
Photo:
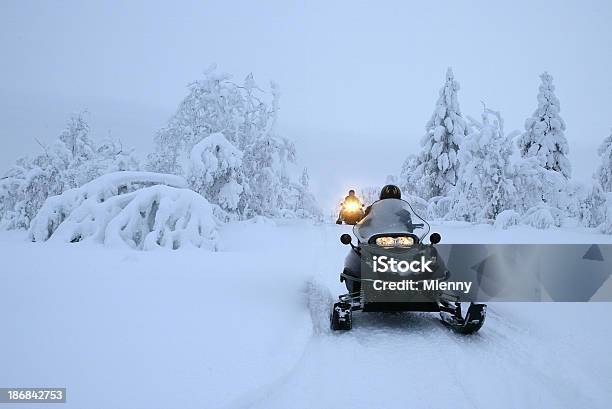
(222, 138)
(485, 186)
(72, 160)
(604, 172)
(543, 137)
(434, 171)
(305, 179)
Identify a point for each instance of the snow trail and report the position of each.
(410, 359)
(247, 327)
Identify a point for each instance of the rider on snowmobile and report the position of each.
(387, 192)
(393, 222)
(351, 198)
(349, 201)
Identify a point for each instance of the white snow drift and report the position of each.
(229, 329)
(140, 210)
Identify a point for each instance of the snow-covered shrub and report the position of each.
(57, 209)
(604, 172)
(535, 185)
(542, 216)
(438, 207)
(485, 186)
(593, 208)
(544, 137)
(148, 218)
(606, 225)
(73, 159)
(574, 196)
(583, 202)
(434, 171)
(222, 139)
(506, 219)
(589, 203)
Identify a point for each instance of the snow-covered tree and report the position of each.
(408, 180)
(306, 204)
(305, 179)
(544, 137)
(77, 151)
(222, 139)
(434, 171)
(72, 160)
(485, 187)
(604, 172)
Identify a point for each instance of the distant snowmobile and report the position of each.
(351, 209)
(392, 225)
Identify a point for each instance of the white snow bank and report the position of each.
(542, 217)
(140, 210)
(230, 329)
(212, 327)
(156, 216)
(57, 208)
(506, 219)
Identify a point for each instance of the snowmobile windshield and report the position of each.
(390, 216)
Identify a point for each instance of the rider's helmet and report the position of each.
(351, 192)
(390, 192)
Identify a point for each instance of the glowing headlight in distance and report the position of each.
(351, 206)
(403, 241)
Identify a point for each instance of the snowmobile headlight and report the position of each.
(351, 206)
(402, 241)
(385, 241)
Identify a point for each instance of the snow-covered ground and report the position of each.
(247, 326)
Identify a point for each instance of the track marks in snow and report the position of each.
(411, 360)
(318, 300)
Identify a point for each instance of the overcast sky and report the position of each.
(359, 80)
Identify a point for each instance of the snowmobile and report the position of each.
(392, 225)
(350, 212)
